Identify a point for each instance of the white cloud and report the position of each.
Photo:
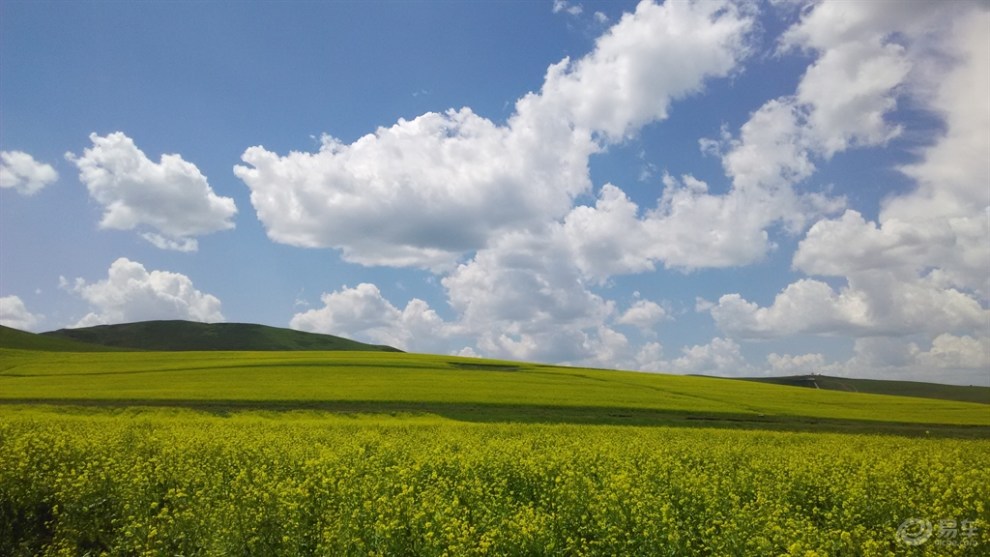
(420, 193)
(879, 303)
(961, 360)
(13, 313)
(721, 356)
(917, 275)
(132, 293)
(787, 364)
(645, 61)
(643, 314)
(956, 352)
(171, 197)
(565, 6)
(689, 228)
(19, 170)
(363, 313)
(427, 191)
(842, 101)
(524, 299)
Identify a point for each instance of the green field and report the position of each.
(383, 453)
(470, 388)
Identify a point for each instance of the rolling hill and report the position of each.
(23, 340)
(466, 389)
(233, 366)
(882, 387)
(172, 336)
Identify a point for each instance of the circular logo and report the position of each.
(914, 531)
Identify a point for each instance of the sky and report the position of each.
(727, 188)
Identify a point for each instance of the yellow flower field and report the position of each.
(178, 482)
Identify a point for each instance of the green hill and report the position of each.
(883, 387)
(22, 340)
(460, 388)
(186, 335)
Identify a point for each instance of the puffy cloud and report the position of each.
(424, 192)
(132, 293)
(643, 314)
(421, 192)
(689, 228)
(13, 313)
(648, 59)
(363, 313)
(956, 352)
(19, 170)
(961, 360)
(787, 364)
(524, 298)
(721, 356)
(922, 267)
(872, 304)
(172, 197)
(842, 101)
(867, 53)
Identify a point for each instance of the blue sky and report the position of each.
(731, 188)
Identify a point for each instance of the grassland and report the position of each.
(383, 453)
(482, 390)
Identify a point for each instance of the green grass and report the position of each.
(463, 388)
(187, 335)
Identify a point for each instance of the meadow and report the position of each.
(469, 388)
(361, 453)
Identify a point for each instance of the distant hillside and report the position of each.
(883, 387)
(187, 335)
(22, 340)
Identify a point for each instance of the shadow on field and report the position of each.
(532, 414)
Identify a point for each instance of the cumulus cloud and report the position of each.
(132, 293)
(171, 200)
(843, 101)
(689, 228)
(955, 352)
(922, 267)
(645, 61)
(19, 171)
(363, 313)
(427, 191)
(13, 313)
(721, 356)
(787, 364)
(524, 299)
(643, 314)
(958, 359)
(912, 286)
(419, 193)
